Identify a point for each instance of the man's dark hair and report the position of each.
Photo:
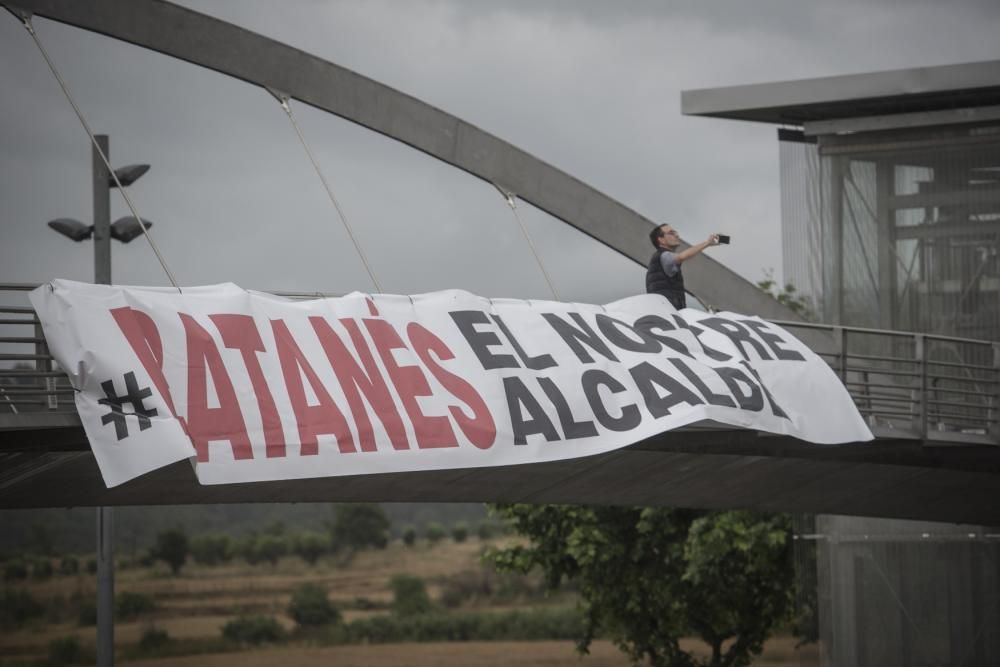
(654, 234)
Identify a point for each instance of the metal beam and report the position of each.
(226, 48)
(902, 120)
(947, 230)
(692, 467)
(853, 95)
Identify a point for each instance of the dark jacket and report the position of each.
(658, 282)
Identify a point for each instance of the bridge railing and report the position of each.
(942, 389)
(939, 389)
(30, 379)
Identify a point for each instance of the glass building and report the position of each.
(890, 203)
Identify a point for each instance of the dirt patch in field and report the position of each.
(457, 654)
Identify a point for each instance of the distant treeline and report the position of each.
(74, 531)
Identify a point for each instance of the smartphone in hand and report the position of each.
(723, 238)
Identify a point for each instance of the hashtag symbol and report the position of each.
(134, 396)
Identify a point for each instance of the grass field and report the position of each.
(194, 605)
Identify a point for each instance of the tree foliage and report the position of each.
(211, 549)
(310, 607)
(130, 605)
(786, 295)
(360, 526)
(269, 548)
(310, 545)
(460, 531)
(172, 548)
(409, 595)
(434, 532)
(649, 576)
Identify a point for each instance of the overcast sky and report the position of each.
(590, 87)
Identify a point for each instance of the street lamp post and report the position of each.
(124, 230)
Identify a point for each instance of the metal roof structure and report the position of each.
(907, 91)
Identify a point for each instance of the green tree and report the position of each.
(460, 531)
(17, 607)
(310, 606)
(786, 295)
(434, 532)
(270, 548)
(130, 605)
(15, 570)
(310, 545)
(211, 549)
(172, 548)
(360, 525)
(253, 630)
(66, 651)
(485, 530)
(409, 595)
(649, 576)
(41, 569)
(69, 565)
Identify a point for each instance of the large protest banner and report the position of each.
(251, 386)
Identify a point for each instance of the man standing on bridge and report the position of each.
(663, 275)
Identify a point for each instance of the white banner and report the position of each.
(251, 386)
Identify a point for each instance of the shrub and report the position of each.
(92, 566)
(409, 536)
(244, 548)
(310, 546)
(129, 606)
(535, 624)
(65, 651)
(466, 585)
(153, 639)
(253, 630)
(459, 532)
(41, 569)
(485, 530)
(172, 548)
(211, 549)
(87, 614)
(15, 570)
(69, 565)
(409, 595)
(360, 525)
(310, 606)
(434, 532)
(270, 548)
(18, 607)
(276, 528)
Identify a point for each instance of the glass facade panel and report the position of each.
(897, 233)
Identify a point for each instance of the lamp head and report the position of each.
(128, 175)
(72, 229)
(127, 228)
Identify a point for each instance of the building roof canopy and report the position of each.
(912, 90)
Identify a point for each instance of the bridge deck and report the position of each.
(931, 401)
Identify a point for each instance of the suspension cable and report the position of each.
(26, 19)
(283, 100)
(511, 200)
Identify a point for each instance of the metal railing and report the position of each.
(30, 380)
(939, 389)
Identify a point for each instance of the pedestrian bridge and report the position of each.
(931, 401)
